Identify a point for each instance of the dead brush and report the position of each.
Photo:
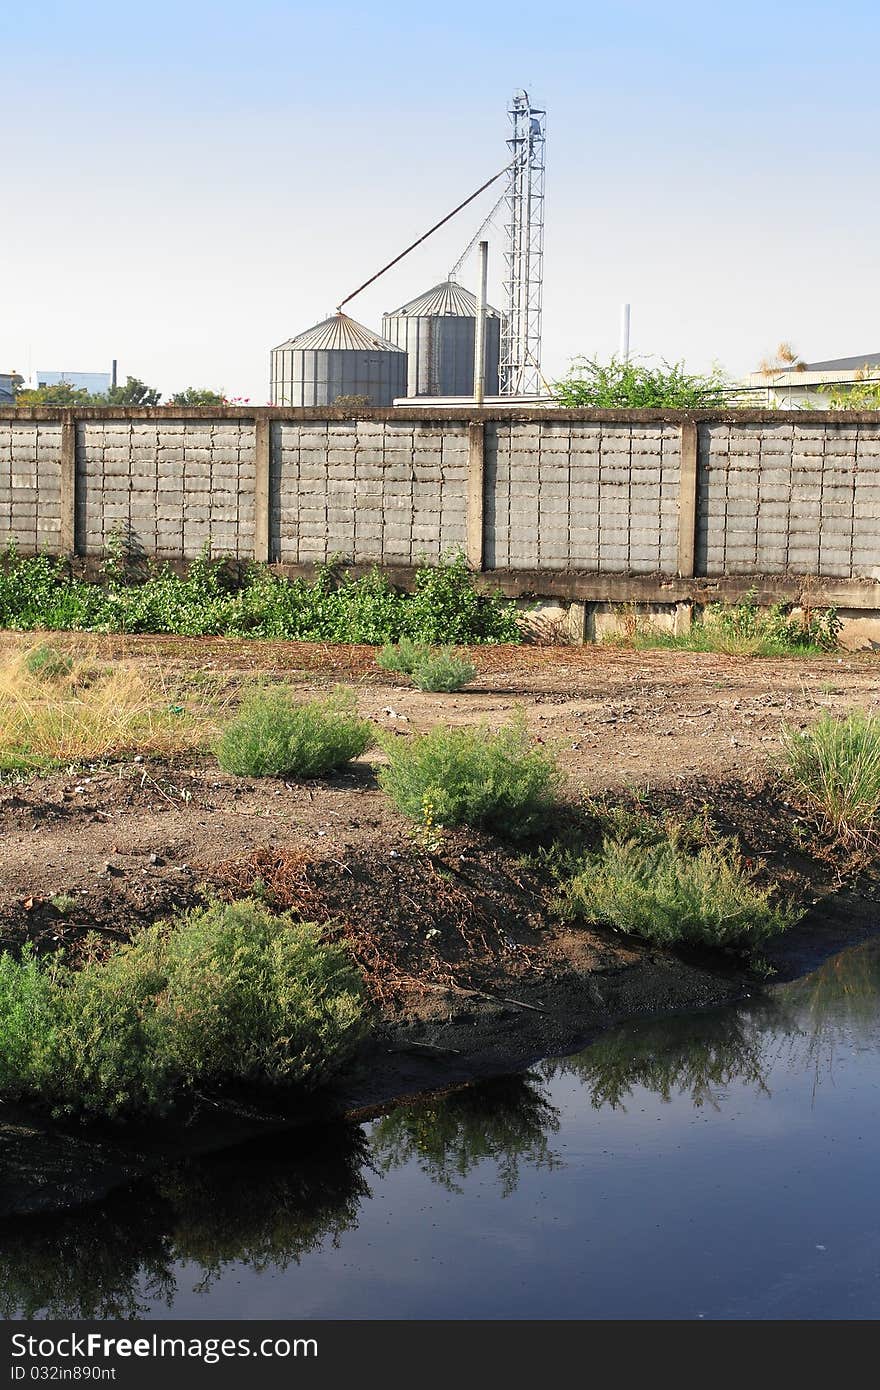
(87, 712)
(442, 942)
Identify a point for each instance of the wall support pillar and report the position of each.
(262, 445)
(476, 494)
(67, 532)
(687, 500)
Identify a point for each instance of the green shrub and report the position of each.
(666, 893)
(403, 657)
(622, 383)
(37, 592)
(835, 766)
(443, 670)
(272, 736)
(47, 663)
(446, 607)
(472, 777)
(742, 629)
(229, 994)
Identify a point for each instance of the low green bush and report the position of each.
(38, 592)
(429, 670)
(228, 994)
(402, 657)
(835, 766)
(273, 735)
(741, 629)
(48, 663)
(443, 671)
(472, 777)
(665, 892)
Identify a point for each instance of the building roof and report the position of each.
(340, 332)
(446, 298)
(846, 364)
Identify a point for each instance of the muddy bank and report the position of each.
(456, 1037)
(470, 971)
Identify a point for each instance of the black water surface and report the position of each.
(716, 1165)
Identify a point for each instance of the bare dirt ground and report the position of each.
(132, 841)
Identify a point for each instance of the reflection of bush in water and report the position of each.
(506, 1120)
(690, 1056)
(256, 1205)
(842, 992)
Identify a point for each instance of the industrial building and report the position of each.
(429, 347)
(337, 357)
(97, 383)
(437, 331)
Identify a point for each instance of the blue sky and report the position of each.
(192, 183)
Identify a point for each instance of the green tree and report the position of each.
(134, 393)
(621, 384)
(197, 395)
(62, 393)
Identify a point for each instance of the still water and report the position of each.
(718, 1165)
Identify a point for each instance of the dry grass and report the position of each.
(85, 710)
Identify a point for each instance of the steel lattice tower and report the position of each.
(520, 366)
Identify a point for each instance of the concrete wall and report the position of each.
(367, 490)
(582, 496)
(171, 485)
(589, 505)
(30, 483)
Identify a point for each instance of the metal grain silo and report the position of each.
(437, 332)
(337, 357)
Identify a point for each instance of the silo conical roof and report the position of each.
(340, 332)
(446, 298)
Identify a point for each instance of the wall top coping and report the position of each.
(453, 415)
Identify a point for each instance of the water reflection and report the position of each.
(698, 1056)
(505, 1122)
(263, 1205)
(267, 1207)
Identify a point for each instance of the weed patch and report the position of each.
(742, 629)
(228, 994)
(37, 592)
(835, 767)
(84, 713)
(501, 781)
(273, 736)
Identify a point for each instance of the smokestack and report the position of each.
(113, 373)
(480, 327)
(624, 332)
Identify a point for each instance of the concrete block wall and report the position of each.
(789, 498)
(30, 483)
(367, 490)
(600, 497)
(171, 485)
(553, 497)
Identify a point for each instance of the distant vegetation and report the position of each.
(133, 393)
(37, 592)
(227, 994)
(621, 384)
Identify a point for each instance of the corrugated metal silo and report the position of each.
(437, 331)
(337, 357)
